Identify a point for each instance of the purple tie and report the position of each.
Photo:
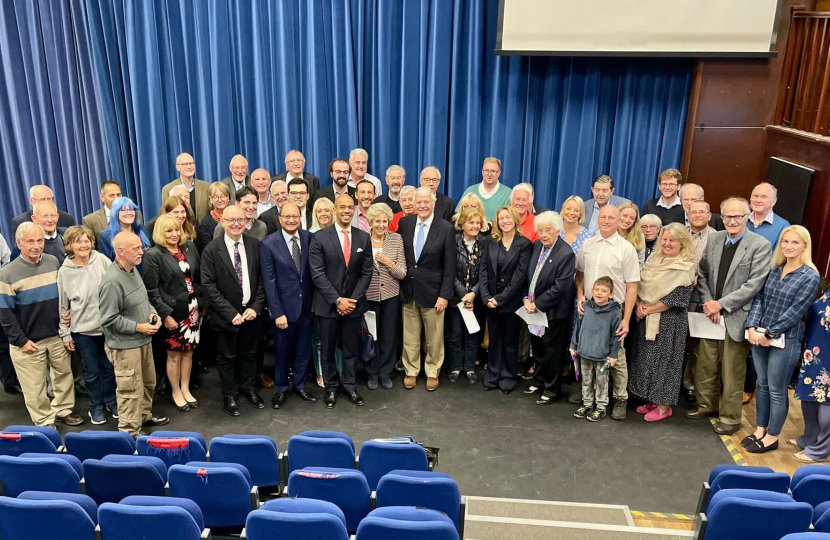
(237, 262)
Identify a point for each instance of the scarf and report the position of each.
(659, 277)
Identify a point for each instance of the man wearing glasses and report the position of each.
(298, 194)
(196, 189)
(41, 193)
(339, 170)
(732, 270)
(295, 168)
(492, 193)
(239, 174)
(246, 199)
(668, 207)
(444, 206)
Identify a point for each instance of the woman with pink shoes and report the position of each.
(655, 372)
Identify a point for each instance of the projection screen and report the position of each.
(638, 27)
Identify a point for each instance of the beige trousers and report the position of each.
(135, 380)
(433, 324)
(31, 372)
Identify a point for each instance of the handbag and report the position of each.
(368, 346)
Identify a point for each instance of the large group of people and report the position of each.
(348, 278)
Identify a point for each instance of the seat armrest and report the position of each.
(703, 498)
(82, 486)
(98, 533)
(373, 500)
(699, 527)
(207, 456)
(61, 450)
(254, 498)
(167, 489)
(462, 516)
(357, 462)
(206, 535)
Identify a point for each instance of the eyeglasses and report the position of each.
(219, 198)
(430, 180)
(187, 164)
(703, 213)
(298, 193)
(649, 227)
(128, 210)
(734, 218)
(289, 216)
(489, 172)
(234, 220)
(340, 171)
(668, 185)
(690, 200)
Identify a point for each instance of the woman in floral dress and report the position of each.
(813, 388)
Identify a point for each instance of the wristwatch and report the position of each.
(770, 336)
(337, 302)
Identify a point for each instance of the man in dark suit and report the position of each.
(339, 170)
(239, 175)
(692, 192)
(279, 194)
(298, 194)
(285, 254)
(429, 247)
(395, 179)
(295, 165)
(41, 193)
(340, 258)
(232, 284)
(444, 206)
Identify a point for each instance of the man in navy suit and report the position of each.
(285, 254)
(340, 257)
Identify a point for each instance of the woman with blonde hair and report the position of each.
(655, 372)
(573, 216)
(778, 315)
(176, 207)
(322, 214)
(629, 228)
(471, 200)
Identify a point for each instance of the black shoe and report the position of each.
(355, 398)
(156, 421)
(697, 414)
(185, 407)
(254, 398)
(471, 377)
(278, 400)
(193, 404)
(506, 391)
(331, 400)
(758, 447)
(305, 395)
(727, 429)
(689, 396)
(548, 401)
(80, 391)
(14, 390)
(162, 387)
(453, 378)
(489, 388)
(230, 406)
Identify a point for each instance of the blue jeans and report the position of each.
(99, 375)
(775, 369)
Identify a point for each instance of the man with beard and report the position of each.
(339, 169)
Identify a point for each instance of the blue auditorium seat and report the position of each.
(127, 522)
(717, 469)
(744, 519)
(433, 490)
(191, 507)
(306, 519)
(257, 453)
(73, 462)
(814, 490)
(223, 493)
(378, 458)
(44, 520)
(16, 443)
(347, 488)
(320, 449)
(51, 433)
(84, 501)
(115, 477)
(807, 536)
(406, 523)
(820, 510)
(190, 449)
(19, 474)
(809, 470)
(92, 444)
(749, 494)
(778, 482)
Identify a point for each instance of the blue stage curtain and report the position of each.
(415, 83)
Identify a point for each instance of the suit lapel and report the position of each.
(354, 245)
(171, 261)
(510, 254)
(252, 259)
(334, 238)
(286, 251)
(431, 234)
(493, 253)
(304, 243)
(225, 256)
(736, 260)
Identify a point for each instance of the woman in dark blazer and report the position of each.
(172, 277)
(470, 246)
(550, 278)
(502, 274)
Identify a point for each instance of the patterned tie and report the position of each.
(295, 253)
(347, 246)
(237, 262)
(419, 240)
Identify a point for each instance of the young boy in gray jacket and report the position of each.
(595, 343)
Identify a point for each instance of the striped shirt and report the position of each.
(385, 282)
(781, 306)
(29, 308)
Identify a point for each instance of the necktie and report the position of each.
(536, 330)
(237, 262)
(419, 240)
(295, 253)
(347, 246)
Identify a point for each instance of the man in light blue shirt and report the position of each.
(763, 220)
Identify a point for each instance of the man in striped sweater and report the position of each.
(30, 317)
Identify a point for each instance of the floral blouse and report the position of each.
(814, 378)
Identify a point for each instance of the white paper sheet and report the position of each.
(701, 326)
(778, 342)
(469, 319)
(371, 324)
(539, 318)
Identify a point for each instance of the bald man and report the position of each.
(763, 220)
(444, 206)
(295, 168)
(261, 182)
(197, 190)
(129, 322)
(41, 193)
(239, 175)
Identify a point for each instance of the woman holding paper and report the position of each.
(389, 268)
(502, 274)
(470, 245)
(775, 328)
(550, 291)
(655, 372)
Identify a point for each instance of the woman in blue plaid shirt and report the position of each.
(778, 311)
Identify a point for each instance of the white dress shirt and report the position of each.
(373, 179)
(246, 280)
(614, 257)
(428, 225)
(288, 238)
(303, 221)
(108, 213)
(672, 205)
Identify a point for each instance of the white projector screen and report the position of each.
(638, 27)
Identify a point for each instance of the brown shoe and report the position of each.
(409, 382)
(72, 419)
(264, 381)
(747, 398)
(432, 384)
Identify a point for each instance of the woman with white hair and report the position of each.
(551, 291)
(650, 224)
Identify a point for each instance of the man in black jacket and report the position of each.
(340, 258)
(429, 247)
(295, 168)
(444, 206)
(232, 284)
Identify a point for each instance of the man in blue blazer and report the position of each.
(340, 258)
(287, 280)
(603, 191)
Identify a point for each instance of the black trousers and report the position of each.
(387, 313)
(237, 350)
(7, 373)
(345, 331)
(550, 351)
(503, 354)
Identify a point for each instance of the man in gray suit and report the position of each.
(239, 175)
(732, 271)
(603, 191)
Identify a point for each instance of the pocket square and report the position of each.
(360, 250)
